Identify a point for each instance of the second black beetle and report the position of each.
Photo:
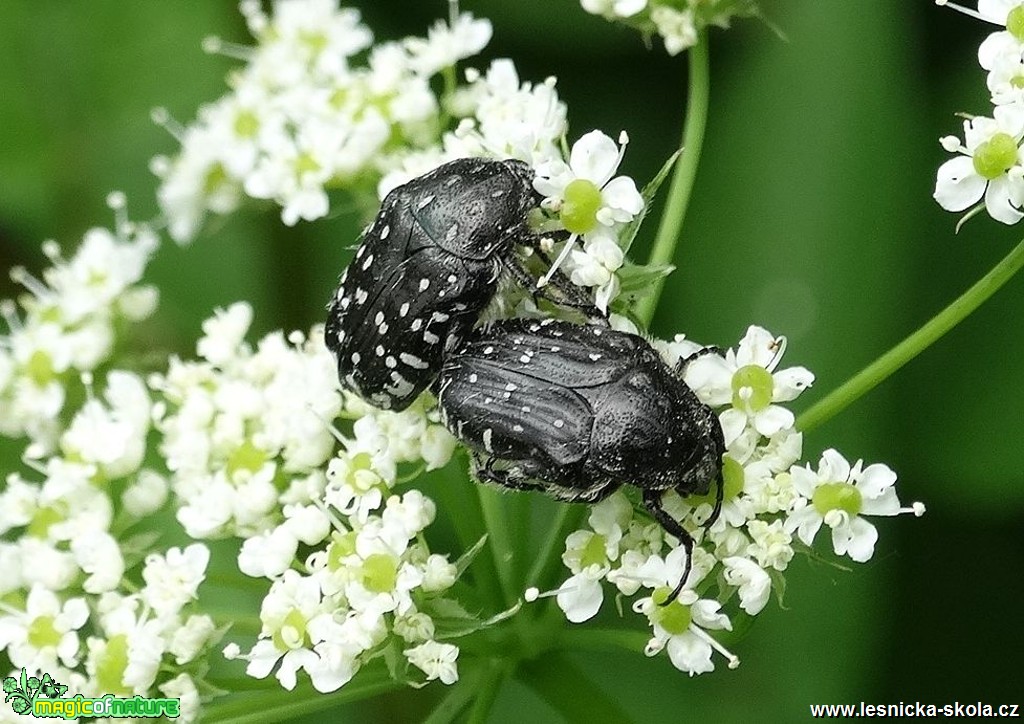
(425, 270)
(576, 411)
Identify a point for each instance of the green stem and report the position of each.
(456, 699)
(503, 551)
(587, 639)
(487, 692)
(566, 516)
(686, 170)
(279, 705)
(932, 331)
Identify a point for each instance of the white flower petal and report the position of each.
(690, 654)
(857, 539)
(773, 419)
(789, 383)
(580, 598)
(884, 504)
(875, 480)
(833, 467)
(957, 185)
(621, 193)
(594, 157)
(998, 203)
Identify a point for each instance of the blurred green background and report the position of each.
(811, 216)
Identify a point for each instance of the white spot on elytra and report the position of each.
(367, 262)
(425, 202)
(379, 350)
(452, 279)
(384, 232)
(430, 338)
(594, 356)
(378, 318)
(404, 309)
(360, 251)
(416, 325)
(413, 361)
(341, 335)
(424, 284)
(361, 296)
(355, 358)
(382, 328)
(525, 359)
(439, 317)
(345, 301)
(559, 423)
(517, 428)
(488, 350)
(473, 378)
(488, 433)
(391, 362)
(526, 408)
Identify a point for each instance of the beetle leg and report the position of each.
(719, 497)
(652, 501)
(483, 468)
(684, 362)
(569, 295)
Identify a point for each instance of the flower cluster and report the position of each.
(678, 23)
(767, 498)
(69, 324)
(302, 118)
(989, 166)
(248, 433)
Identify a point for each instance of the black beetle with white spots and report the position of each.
(426, 268)
(576, 411)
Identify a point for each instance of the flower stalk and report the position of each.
(663, 251)
(879, 370)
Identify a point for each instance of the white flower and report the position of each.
(681, 625)
(268, 555)
(188, 640)
(224, 332)
(614, 8)
(677, 28)
(747, 378)
(182, 687)
(173, 580)
(100, 557)
(46, 632)
(584, 192)
(753, 583)
(990, 166)
(447, 44)
(771, 544)
(292, 602)
(436, 660)
(838, 495)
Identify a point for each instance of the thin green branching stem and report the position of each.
(679, 192)
(587, 639)
(927, 335)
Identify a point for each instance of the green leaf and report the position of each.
(466, 558)
(630, 232)
(778, 586)
(451, 620)
(637, 282)
(457, 698)
(557, 680)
